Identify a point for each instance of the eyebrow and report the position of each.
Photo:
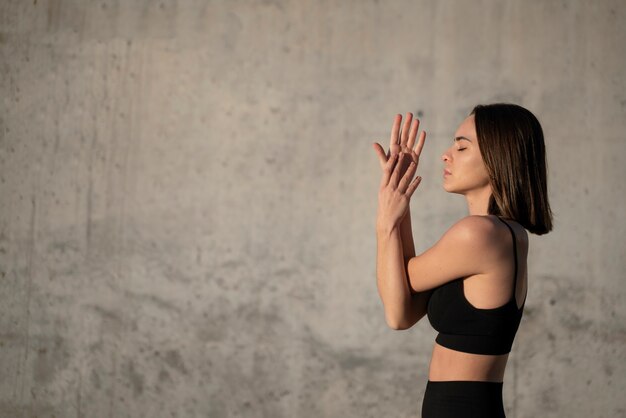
(461, 137)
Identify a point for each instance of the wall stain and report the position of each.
(175, 360)
(136, 379)
(52, 357)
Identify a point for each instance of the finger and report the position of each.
(406, 179)
(393, 140)
(416, 182)
(382, 158)
(411, 142)
(395, 172)
(388, 169)
(420, 143)
(405, 129)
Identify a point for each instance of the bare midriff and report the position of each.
(447, 364)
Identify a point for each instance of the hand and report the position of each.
(395, 192)
(402, 143)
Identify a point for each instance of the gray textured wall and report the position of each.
(189, 196)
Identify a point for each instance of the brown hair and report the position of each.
(512, 147)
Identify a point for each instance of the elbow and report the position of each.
(406, 320)
(396, 324)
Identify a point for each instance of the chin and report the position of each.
(448, 188)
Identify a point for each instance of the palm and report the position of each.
(403, 143)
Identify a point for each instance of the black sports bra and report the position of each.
(463, 327)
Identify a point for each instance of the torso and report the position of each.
(447, 364)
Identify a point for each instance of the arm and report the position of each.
(471, 246)
(406, 235)
(420, 299)
(393, 287)
(403, 307)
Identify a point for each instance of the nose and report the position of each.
(445, 157)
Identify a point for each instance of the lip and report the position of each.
(446, 172)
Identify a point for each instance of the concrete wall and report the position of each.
(189, 196)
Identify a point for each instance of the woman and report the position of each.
(472, 283)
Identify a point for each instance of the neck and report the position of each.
(478, 201)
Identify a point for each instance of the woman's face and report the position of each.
(464, 167)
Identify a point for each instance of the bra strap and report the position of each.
(514, 254)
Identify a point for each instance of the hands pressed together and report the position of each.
(399, 166)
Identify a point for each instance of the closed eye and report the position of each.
(461, 149)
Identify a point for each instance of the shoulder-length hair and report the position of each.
(511, 143)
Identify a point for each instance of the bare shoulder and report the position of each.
(482, 236)
(493, 235)
(472, 245)
(475, 230)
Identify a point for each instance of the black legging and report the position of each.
(463, 399)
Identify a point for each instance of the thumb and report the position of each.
(381, 154)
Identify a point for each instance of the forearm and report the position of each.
(393, 286)
(406, 235)
(420, 299)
